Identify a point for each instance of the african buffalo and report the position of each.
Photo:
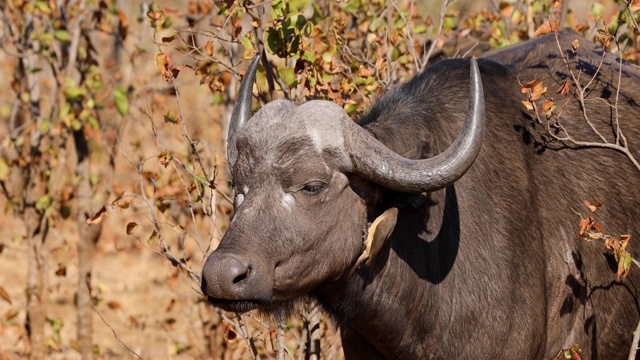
(441, 224)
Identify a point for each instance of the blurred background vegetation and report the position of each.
(113, 181)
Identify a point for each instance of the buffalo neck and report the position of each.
(394, 302)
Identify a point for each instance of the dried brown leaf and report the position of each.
(547, 27)
(62, 271)
(172, 303)
(548, 107)
(5, 295)
(526, 87)
(170, 322)
(564, 88)
(575, 44)
(610, 242)
(586, 224)
(123, 24)
(230, 334)
(10, 314)
(164, 158)
(528, 105)
(208, 48)
(113, 305)
(130, 227)
(538, 90)
(593, 208)
(624, 240)
(98, 216)
(155, 15)
(123, 205)
(168, 39)
(165, 64)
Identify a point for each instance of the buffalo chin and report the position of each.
(278, 310)
(239, 306)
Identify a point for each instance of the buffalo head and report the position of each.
(299, 220)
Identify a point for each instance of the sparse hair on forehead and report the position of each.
(283, 120)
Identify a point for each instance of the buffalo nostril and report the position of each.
(241, 277)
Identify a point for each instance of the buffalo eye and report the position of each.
(313, 188)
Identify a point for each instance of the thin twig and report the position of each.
(246, 335)
(443, 13)
(581, 91)
(280, 351)
(109, 326)
(407, 29)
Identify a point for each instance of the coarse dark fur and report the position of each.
(490, 267)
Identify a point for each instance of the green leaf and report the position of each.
(171, 117)
(43, 6)
(62, 35)
(94, 179)
(288, 77)
(298, 5)
(419, 29)
(278, 9)
(350, 108)
(76, 124)
(43, 202)
(309, 56)
(274, 41)
(120, 96)
(4, 170)
(45, 126)
(75, 93)
(249, 50)
(153, 238)
(627, 261)
(217, 98)
(93, 122)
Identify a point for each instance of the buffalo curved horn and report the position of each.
(374, 161)
(241, 111)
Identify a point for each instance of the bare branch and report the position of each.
(443, 13)
(109, 326)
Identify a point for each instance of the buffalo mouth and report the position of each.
(239, 306)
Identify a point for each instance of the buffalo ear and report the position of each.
(377, 236)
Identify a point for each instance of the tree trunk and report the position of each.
(37, 227)
(88, 237)
(31, 187)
